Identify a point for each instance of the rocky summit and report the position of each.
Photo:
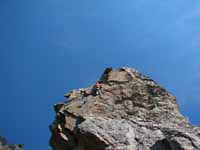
(125, 110)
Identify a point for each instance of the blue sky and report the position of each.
(48, 47)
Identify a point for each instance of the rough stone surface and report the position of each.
(132, 112)
(4, 145)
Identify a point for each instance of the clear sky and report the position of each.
(48, 47)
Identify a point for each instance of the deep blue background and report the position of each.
(48, 47)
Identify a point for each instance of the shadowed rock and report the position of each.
(132, 113)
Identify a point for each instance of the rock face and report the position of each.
(130, 112)
(5, 146)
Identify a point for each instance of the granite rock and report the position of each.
(130, 112)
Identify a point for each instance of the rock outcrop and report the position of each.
(4, 145)
(129, 112)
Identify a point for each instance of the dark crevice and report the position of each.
(161, 145)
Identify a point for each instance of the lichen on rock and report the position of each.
(132, 112)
